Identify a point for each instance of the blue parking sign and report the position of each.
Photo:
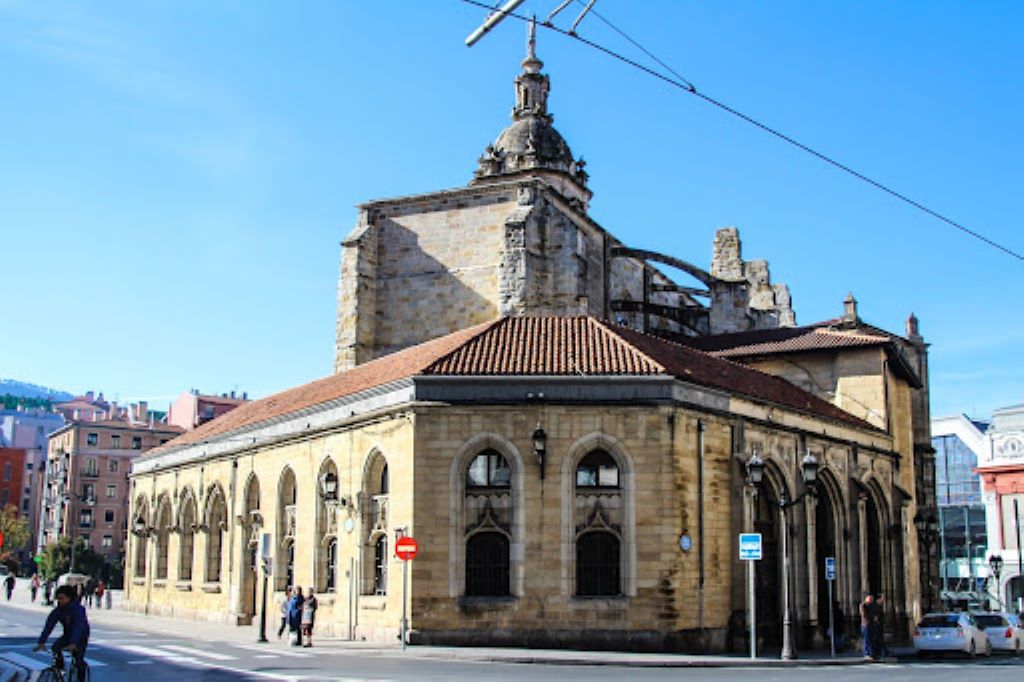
(830, 568)
(750, 546)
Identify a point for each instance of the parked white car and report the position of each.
(951, 632)
(1003, 631)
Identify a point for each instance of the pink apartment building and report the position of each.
(193, 408)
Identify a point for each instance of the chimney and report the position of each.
(913, 333)
(232, 394)
(113, 410)
(89, 396)
(143, 410)
(850, 309)
(245, 395)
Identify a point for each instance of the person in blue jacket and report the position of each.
(295, 616)
(75, 638)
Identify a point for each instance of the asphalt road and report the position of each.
(120, 654)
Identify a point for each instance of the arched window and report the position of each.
(385, 482)
(380, 565)
(188, 539)
(287, 529)
(216, 524)
(163, 536)
(597, 564)
(487, 566)
(488, 470)
(332, 564)
(597, 470)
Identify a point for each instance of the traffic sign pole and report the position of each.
(406, 549)
(753, 610)
(830, 576)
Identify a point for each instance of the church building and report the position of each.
(574, 439)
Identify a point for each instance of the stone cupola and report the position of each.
(531, 145)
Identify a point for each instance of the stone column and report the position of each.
(810, 509)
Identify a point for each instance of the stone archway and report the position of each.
(251, 522)
(768, 571)
(828, 524)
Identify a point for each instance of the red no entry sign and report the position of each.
(406, 548)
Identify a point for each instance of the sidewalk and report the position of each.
(117, 619)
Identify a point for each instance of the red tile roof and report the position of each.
(783, 340)
(394, 367)
(529, 346)
(547, 346)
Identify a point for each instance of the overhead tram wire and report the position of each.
(681, 83)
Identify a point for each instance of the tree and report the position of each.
(56, 559)
(16, 535)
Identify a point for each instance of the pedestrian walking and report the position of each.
(48, 592)
(9, 585)
(101, 588)
(868, 626)
(295, 616)
(308, 618)
(284, 611)
(34, 586)
(881, 648)
(89, 591)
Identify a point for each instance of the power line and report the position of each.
(684, 84)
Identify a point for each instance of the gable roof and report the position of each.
(783, 340)
(529, 346)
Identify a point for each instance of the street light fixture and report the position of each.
(329, 486)
(809, 467)
(540, 440)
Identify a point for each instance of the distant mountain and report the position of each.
(22, 389)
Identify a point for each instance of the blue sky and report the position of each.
(175, 177)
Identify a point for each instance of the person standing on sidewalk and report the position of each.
(867, 626)
(34, 587)
(308, 618)
(284, 611)
(9, 582)
(295, 616)
(101, 587)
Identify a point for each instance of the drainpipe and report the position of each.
(700, 519)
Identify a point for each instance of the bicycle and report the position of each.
(57, 672)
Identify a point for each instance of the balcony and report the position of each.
(289, 522)
(82, 523)
(90, 473)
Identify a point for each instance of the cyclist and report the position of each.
(75, 638)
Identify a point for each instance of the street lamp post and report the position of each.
(88, 501)
(809, 473)
(995, 562)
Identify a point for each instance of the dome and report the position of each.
(532, 142)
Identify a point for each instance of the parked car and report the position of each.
(1003, 631)
(951, 632)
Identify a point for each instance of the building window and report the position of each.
(86, 540)
(380, 566)
(597, 565)
(107, 542)
(112, 465)
(85, 518)
(28, 466)
(88, 491)
(188, 539)
(136, 442)
(111, 491)
(487, 567)
(163, 536)
(92, 439)
(597, 470)
(115, 442)
(488, 470)
(108, 516)
(91, 468)
(5, 497)
(488, 514)
(7, 471)
(332, 563)
(216, 525)
(598, 504)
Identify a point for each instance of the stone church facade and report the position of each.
(563, 428)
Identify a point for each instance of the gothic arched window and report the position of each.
(188, 539)
(487, 565)
(163, 536)
(216, 524)
(597, 470)
(488, 470)
(597, 564)
(380, 565)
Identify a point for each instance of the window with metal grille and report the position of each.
(597, 565)
(380, 566)
(487, 566)
(332, 564)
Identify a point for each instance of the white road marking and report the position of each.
(140, 662)
(266, 656)
(198, 652)
(263, 650)
(147, 651)
(24, 661)
(94, 663)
